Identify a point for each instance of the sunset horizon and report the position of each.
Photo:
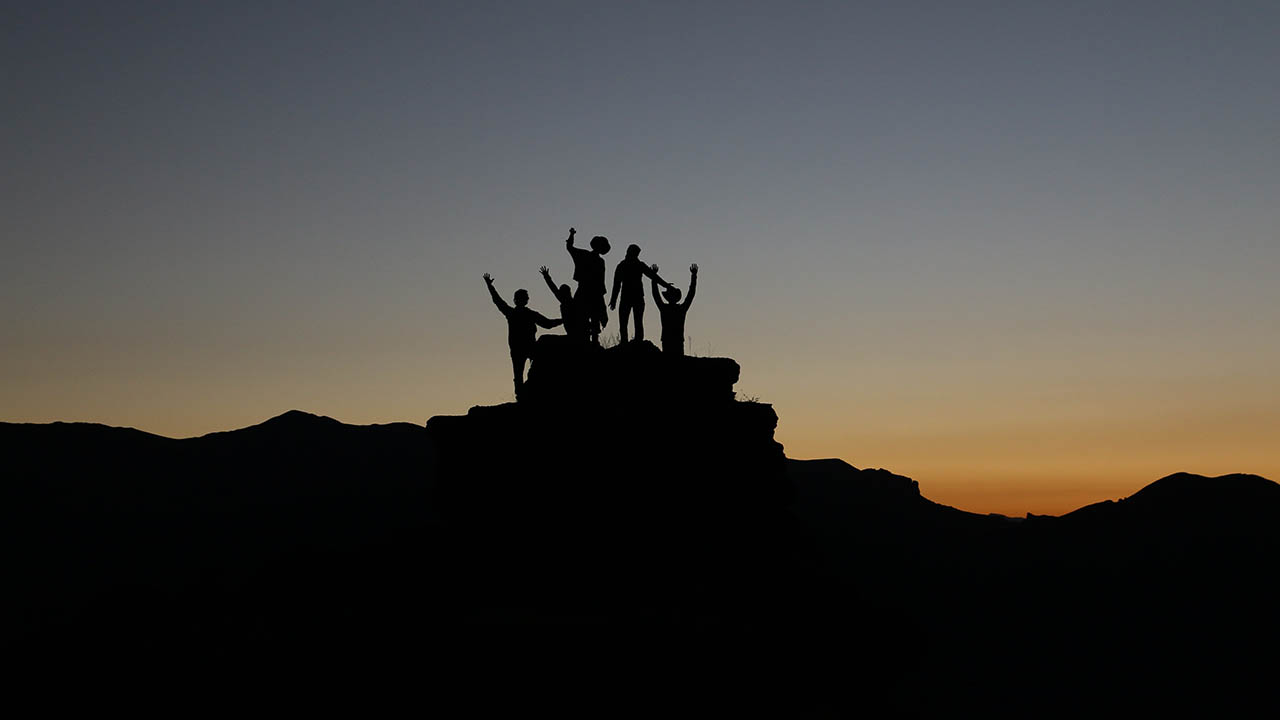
(992, 486)
(1025, 256)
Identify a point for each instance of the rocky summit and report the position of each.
(617, 466)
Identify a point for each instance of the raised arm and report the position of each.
(652, 272)
(493, 293)
(653, 284)
(693, 284)
(546, 275)
(568, 244)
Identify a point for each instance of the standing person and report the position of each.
(588, 271)
(673, 312)
(522, 328)
(573, 326)
(628, 278)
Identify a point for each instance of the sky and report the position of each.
(1023, 252)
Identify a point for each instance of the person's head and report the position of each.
(600, 244)
(672, 294)
(521, 297)
(565, 294)
(633, 251)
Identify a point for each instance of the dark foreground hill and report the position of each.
(628, 538)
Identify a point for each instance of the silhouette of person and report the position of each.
(569, 313)
(673, 312)
(628, 279)
(588, 271)
(522, 328)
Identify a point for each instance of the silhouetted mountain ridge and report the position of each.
(291, 421)
(1190, 498)
(629, 496)
(1186, 490)
(1178, 492)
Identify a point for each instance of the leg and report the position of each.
(517, 369)
(624, 310)
(600, 319)
(638, 309)
(590, 318)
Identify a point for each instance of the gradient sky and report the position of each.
(1024, 252)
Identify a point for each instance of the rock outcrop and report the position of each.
(616, 462)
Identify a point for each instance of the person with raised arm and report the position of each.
(573, 326)
(673, 311)
(628, 278)
(588, 272)
(522, 328)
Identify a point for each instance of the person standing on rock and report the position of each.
(673, 311)
(522, 328)
(628, 278)
(588, 271)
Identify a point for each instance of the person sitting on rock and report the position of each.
(673, 312)
(569, 313)
(588, 271)
(628, 277)
(522, 328)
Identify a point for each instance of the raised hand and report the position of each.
(544, 270)
(488, 278)
(654, 268)
(693, 269)
(572, 232)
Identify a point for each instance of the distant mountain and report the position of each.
(1183, 497)
(632, 514)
